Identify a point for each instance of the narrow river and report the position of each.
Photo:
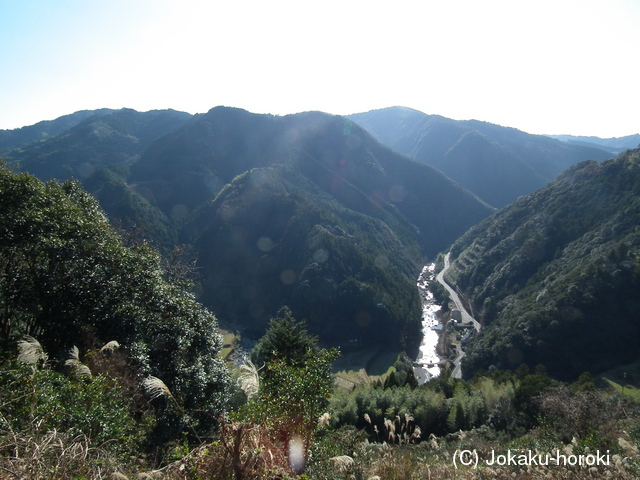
(428, 361)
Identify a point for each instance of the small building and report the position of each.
(467, 337)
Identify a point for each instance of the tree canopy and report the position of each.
(67, 278)
(286, 339)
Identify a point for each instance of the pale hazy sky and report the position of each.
(543, 66)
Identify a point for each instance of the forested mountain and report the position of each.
(19, 137)
(305, 210)
(496, 163)
(613, 145)
(555, 276)
(308, 211)
(102, 138)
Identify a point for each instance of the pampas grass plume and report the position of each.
(249, 380)
(156, 387)
(110, 347)
(78, 368)
(30, 351)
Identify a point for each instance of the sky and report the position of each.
(544, 67)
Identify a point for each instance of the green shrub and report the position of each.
(37, 401)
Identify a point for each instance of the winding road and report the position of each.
(466, 316)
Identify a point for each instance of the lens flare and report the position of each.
(296, 454)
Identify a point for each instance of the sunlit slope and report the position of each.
(555, 275)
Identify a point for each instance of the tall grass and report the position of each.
(56, 456)
(76, 367)
(249, 379)
(31, 352)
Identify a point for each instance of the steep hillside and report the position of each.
(102, 139)
(496, 163)
(190, 166)
(273, 237)
(129, 210)
(555, 276)
(308, 211)
(305, 210)
(67, 278)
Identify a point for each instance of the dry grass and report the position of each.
(435, 462)
(242, 451)
(156, 388)
(54, 456)
(31, 352)
(247, 452)
(249, 379)
(76, 367)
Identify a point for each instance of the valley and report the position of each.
(340, 240)
(438, 336)
(306, 210)
(321, 252)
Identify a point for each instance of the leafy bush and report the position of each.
(67, 278)
(37, 401)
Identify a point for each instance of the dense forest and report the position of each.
(70, 281)
(554, 276)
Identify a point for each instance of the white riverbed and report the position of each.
(428, 360)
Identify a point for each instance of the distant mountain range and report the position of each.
(19, 137)
(305, 210)
(555, 276)
(498, 164)
(613, 145)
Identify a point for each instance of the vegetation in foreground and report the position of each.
(288, 421)
(76, 404)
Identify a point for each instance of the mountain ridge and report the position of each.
(11, 139)
(614, 144)
(310, 210)
(532, 160)
(95, 141)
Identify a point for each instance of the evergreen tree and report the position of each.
(411, 379)
(287, 339)
(296, 381)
